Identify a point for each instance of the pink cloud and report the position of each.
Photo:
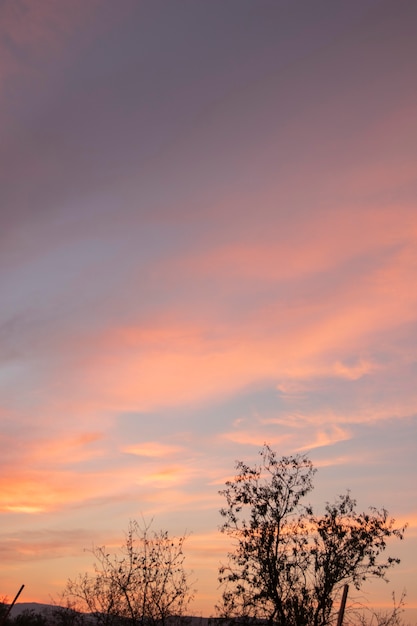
(169, 362)
(328, 437)
(322, 240)
(66, 450)
(297, 433)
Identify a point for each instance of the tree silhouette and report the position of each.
(289, 564)
(143, 583)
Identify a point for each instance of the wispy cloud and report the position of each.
(327, 438)
(42, 544)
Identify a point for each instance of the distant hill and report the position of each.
(38, 607)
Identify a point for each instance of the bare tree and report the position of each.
(289, 564)
(143, 583)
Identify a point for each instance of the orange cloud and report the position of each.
(39, 491)
(42, 544)
(165, 476)
(42, 491)
(48, 488)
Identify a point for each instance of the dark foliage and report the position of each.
(289, 564)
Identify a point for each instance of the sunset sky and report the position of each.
(208, 241)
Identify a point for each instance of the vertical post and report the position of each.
(342, 605)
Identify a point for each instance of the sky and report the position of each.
(208, 241)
